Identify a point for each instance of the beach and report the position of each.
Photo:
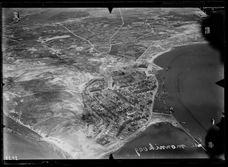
(19, 147)
(24, 143)
(191, 90)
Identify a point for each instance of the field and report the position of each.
(85, 81)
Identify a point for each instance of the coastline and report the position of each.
(173, 121)
(202, 67)
(176, 46)
(65, 148)
(161, 68)
(41, 137)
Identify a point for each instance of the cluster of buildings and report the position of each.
(123, 109)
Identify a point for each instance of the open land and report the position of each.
(85, 80)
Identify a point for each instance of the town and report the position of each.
(122, 108)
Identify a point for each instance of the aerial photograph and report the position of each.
(84, 83)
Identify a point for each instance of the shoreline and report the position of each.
(173, 121)
(178, 124)
(197, 57)
(150, 122)
(60, 145)
(41, 137)
(170, 49)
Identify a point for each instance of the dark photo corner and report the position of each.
(213, 29)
